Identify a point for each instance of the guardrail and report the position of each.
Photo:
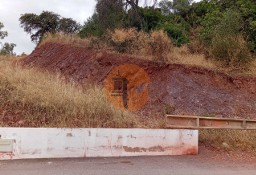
(198, 122)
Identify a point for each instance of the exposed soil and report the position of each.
(176, 89)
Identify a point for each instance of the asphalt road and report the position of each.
(169, 165)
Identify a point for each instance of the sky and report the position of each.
(11, 10)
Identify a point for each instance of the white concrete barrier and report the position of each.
(25, 143)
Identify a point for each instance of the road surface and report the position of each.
(169, 165)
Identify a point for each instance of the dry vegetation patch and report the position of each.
(65, 39)
(154, 46)
(45, 100)
(229, 140)
(31, 98)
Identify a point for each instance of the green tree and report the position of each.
(151, 18)
(68, 25)
(91, 27)
(182, 7)
(210, 13)
(109, 14)
(3, 34)
(166, 7)
(38, 25)
(6, 48)
(175, 26)
(226, 42)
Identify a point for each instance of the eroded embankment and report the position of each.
(175, 89)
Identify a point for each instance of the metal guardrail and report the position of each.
(198, 122)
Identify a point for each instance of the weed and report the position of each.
(235, 139)
(39, 99)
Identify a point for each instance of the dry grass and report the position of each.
(65, 39)
(252, 68)
(159, 45)
(43, 100)
(128, 41)
(183, 56)
(155, 45)
(35, 99)
(138, 44)
(229, 140)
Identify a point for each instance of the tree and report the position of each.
(3, 34)
(166, 7)
(223, 38)
(38, 25)
(91, 27)
(182, 7)
(151, 18)
(133, 3)
(7, 48)
(68, 25)
(110, 13)
(210, 13)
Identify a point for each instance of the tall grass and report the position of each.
(229, 140)
(63, 38)
(43, 100)
(182, 55)
(252, 68)
(154, 46)
(30, 98)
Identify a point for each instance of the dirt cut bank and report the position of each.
(175, 89)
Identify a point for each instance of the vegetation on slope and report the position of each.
(222, 30)
(154, 46)
(30, 98)
(209, 33)
(229, 140)
(5, 48)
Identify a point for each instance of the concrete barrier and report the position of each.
(25, 143)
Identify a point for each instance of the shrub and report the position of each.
(159, 45)
(235, 139)
(177, 33)
(151, 18)
(223, 38)
(156, 44)
(127, 40)
(91, 28)
(231, 50)
(195, 45)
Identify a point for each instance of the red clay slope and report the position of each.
(177, 88)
